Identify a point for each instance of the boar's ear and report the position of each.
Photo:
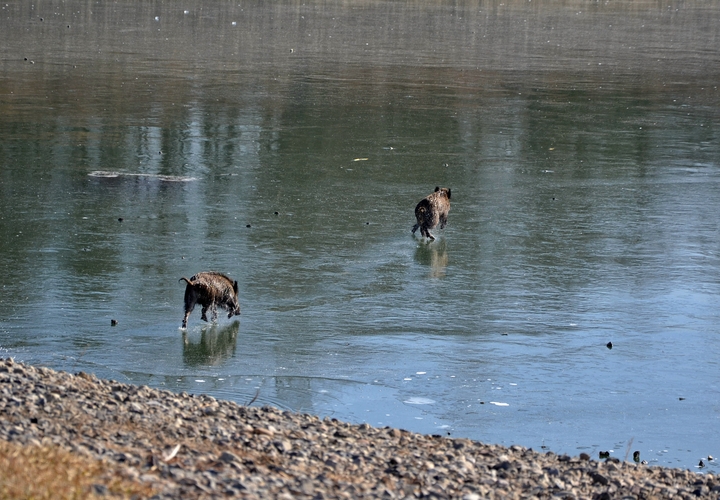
(437, 188)
(235, 287)
(448, 193)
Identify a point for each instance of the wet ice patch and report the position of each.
(419, 401)
(499, 404)
(107, 174)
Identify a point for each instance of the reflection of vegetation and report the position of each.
(484, 97)
(217, 343)
(435, 255)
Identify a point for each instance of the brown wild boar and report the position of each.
(431, 210)
(210, 290)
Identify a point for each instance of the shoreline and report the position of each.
(195, 446)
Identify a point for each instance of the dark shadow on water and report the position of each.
(433, 254)
(216, 345)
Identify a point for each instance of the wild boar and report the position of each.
(431, 210)
(210, 290)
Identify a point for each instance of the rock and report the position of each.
(228, 457)
(136, 407)
(283, 446)
(600, 479)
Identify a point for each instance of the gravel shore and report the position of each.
(194, 446)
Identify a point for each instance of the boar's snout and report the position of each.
(235, 311)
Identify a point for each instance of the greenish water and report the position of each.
(286, 144)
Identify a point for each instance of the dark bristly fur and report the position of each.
(210, 290)
(431, 211)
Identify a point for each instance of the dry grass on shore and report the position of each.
(48, 472)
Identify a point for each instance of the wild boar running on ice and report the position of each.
(431, 211)
(210, 290)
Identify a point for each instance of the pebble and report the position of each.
(194, 446)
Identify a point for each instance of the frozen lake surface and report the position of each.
(287, 143)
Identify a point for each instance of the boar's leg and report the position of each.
(214, 313)
(443, 221)
(189, 306)
(415, 228)
(426, 232)
(187, 314)
(190, 301)
(204, 313)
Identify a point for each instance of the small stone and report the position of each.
(100, 489)
(283, 446)
(599, 478)
(228, 457)
(263, 432)
(135, 407)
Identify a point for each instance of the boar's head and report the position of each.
(233, 305)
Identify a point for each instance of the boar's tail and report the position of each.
(186, 280)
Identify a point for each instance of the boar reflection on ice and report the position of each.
(210, 290)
